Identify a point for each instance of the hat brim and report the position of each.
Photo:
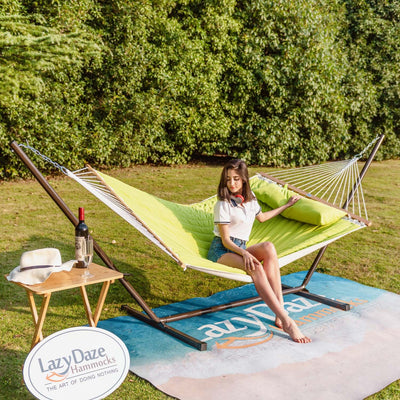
(33, 276)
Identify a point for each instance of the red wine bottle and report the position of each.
(81, 234)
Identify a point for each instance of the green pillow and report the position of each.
(305, 210)
(271, 194)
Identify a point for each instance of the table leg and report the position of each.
(38, 319)
(100, 303)
(32, 306)
(86, 303)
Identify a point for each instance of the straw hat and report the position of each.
(37, 265)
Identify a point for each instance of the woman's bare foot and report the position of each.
(294, 332)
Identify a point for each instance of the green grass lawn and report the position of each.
(30, 220)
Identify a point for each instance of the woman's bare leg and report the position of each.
(265, 291)
(266, 253)
(268, 295)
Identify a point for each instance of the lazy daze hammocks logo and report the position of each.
(89, 363)
(257, 326)
(77, 364)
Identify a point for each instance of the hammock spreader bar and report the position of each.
(149, 316)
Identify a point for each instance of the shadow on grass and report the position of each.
(13, 298)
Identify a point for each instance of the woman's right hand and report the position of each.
(249, 261)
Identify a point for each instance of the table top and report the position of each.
(67, 280)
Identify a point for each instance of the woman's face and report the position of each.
(234, 182)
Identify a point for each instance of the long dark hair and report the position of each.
(241, 168)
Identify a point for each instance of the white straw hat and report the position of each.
(36, 266)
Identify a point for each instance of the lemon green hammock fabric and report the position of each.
(185, 232)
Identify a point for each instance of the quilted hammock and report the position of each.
(185, 232)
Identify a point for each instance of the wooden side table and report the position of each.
(67, 280)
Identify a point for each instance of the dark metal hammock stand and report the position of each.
(149, 316)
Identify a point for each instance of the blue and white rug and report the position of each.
(353, 354)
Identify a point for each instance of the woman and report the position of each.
(234, 214)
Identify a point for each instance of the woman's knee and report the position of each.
(269, 248)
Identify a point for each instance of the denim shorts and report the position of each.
(217, 249)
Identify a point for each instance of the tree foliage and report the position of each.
(275, 82)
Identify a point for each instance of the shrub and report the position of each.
(288, 82)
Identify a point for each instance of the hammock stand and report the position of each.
(149, 316)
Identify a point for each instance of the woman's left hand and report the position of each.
(293, 200)
(249, 261)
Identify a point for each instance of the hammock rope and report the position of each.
(331, 181)
(89, 179)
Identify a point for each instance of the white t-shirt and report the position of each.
(239, 217)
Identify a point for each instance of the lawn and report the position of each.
(30, 220)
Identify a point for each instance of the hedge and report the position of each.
(279, 82)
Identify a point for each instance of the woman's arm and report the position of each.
(249, 261)
(265, 216)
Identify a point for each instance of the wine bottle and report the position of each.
(81, 234)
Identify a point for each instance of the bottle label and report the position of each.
(80, 250)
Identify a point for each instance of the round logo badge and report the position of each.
(81, 363)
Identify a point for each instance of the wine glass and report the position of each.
(88, 256)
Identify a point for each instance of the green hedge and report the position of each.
(288, 82)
